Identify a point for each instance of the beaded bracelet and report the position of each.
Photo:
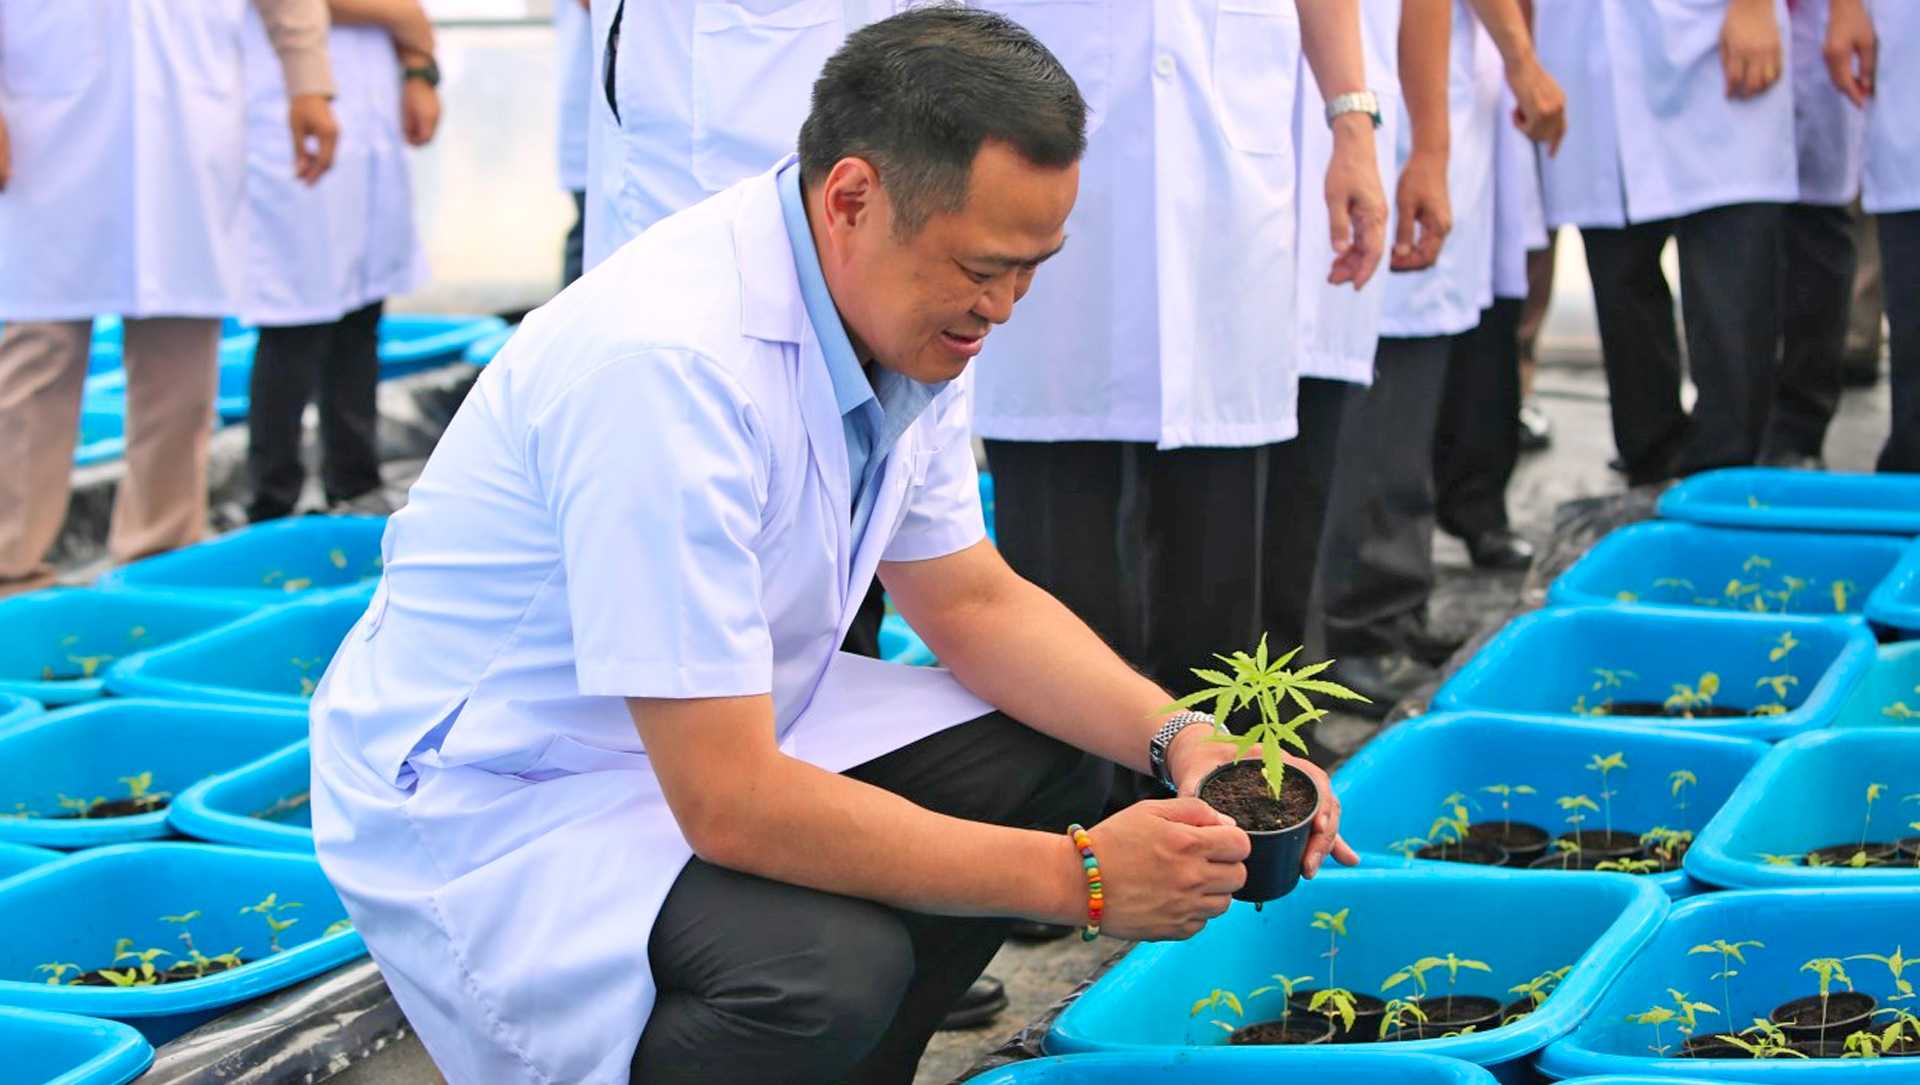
(1096, 897)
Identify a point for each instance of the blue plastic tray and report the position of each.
(253, 805)
(56, 631)
(1810, 792)
(103, 435)
(1549, 661)
(1896, 604)
(15, 858)
(73, 911)
(1392, 789)
(264, 565)
(412, 342)
(1522, 923)
(60, 1049)
(1351, 1064)
(986, 503)
(1795, 925)
(900, 644)
(1889, 696)
(273, 659)
(14, 708)
(483, 349)
(1773, 498)
(1685, 566)
(1644, 1079)
(84, 751)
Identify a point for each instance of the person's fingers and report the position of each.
(1340, 234)
(1372, 232)
(1869, 62)
(1403, 238)
(1223, 843)
(329, 139)
(1190, 811)
(1559, 133)
(1214, 904)
(1344, 854)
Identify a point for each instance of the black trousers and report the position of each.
(574, 255)
(764, 982)
(1816, 289)
(1728, 257)
(1476, 441)
(1900, 271)
(339, 365)
(1160, 551)
(1376, 556)
(1299, 487)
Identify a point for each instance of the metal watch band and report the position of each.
(1355, 101)
(1163, 738)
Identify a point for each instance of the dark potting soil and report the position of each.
(1655, 708)
(1520, 840)
(1475, 852)
(1447, 1014)
(1582, 861)
(1241, 793)
(1710, 1047)
(1605, 844)
(1846, 1012)
(179, 973)
(1311, 1031)
(1910, 847)
(118, 808)
(1519, 1007)
(1841, 855)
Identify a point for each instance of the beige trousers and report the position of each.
(172, 376)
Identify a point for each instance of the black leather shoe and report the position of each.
(1795, 461)
(1500, 550)
(979, 1006)
(1028, 930)
(1424, 643)
(1384, 680)
(1536, 429)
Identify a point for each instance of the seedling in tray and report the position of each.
(1468, 1010)
(1683, 1015)
(1219, 998)
(141, 799)
(1729, 952)
(1396, 1014)
(269, 910)
(1533, 994)
(1860, 854)
(1857, 1008)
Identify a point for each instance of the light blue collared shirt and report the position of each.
(875, 412)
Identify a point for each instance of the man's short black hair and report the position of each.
(917, 94)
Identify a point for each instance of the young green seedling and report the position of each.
(1897, 964)
(1865, 1044)
(1286, 986)
(1729, 952)
(1764, 1040)
(1397, 1011)
(1666, 843)
(1771, 859)
(1214, 1001)
(1603, 766)
(1686, 1012)
(1904, 1029)
(123, 950)
(1335, 924)
(1332, 1002)
(1604, 678)
(1678, 781)
(1266, 686)
(1409, 847)
(1506, 793)
(80, 807)
(1874, 791)
(1699, 695)
(1418, 970)
(338, 557)
(1629, 865)
(1842, 590)
(1828, 969)
(268, 910)
(199, 960)
(1658, 1017)
(1451, 825)
(1537, 990)
(337, 926)
(56, 971)
(1573, 805)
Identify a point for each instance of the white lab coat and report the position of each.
(1168, 316)
(573, 37)
(1893, 131)
(318, 252)
(127, 125)
(1651, 133)
(1340, 326)
(1447, 298)
(1829, 133)
(646, 495)
(1519, 223)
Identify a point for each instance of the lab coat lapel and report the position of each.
(891, 493)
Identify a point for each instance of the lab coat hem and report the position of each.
(1766, 192)
(1351, 369)
(1891, 203)
(1241, 436)
(1052, 430)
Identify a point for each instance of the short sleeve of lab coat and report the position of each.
(943, 512)
(655, 470)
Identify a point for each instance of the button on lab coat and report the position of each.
(126, 120)
(318, 252)
(1893, 131)
(1169, 316)
(645, 495)
(1651, 133)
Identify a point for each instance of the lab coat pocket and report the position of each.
(204, 48)
(751, 77)
(1256, 49)
(50, 47)
(1077, 33)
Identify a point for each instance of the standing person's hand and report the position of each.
(315, 132)
(1425, 212)
(419, 111)
(1166, 867)
(1750, 48)
(6, 156)
(1852, 51)
(1356, 204)
(1540, 108)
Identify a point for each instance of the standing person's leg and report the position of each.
(1861, 364)
(349, 416)
(573, 256)
(1728, 289)
(837, 989)
(1536, 429)
(1900, 270)
(1299, 486)
(1203, 531)
(286, 364)
(172, 375)
(1058, 522)
(1816, 284)
(1477, 439)
(43, 369)
(1639, 346)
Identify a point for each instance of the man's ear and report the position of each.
(851, 198)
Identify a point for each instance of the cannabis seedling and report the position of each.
(199, 960)
(1506, 793)
(1874, 791)
(1897, 964)
(268, 910)
(1828, 969)
(1573, 804)
(1686, 1012)
(148, 975)
(1286, 986)
(1396, 1012)
(1265, 685)
(1768, 1041)
(1679, 780)
(1335, 924)
(56, 971)
(1657, 1016)
(1537, 990)
(1214, 1001)
(1629, 865)
(1417, 972)
(1332, 1002)
(1666, 843)
(1603, 766)
(1700, 695)
(1729, 953)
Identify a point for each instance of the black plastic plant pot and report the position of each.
(1522, 842)
(1273, 865)
(1711, 1047)
(1519, 1007)
(1847, 1012)
(1446, 1014)
(1311, 1029)
(1367, 1012)
(1910, 848)
(1568, 861)
(1470, 851)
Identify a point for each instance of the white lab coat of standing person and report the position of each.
(1892, 181)
(418, 765)
(573, 36)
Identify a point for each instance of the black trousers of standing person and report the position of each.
(1299, 487)
(1476, 439)
(1900, 274)
(1728, 257)
(764, 982)
(574, 255)
(337, 364)
(1815, 289)
(1376, 557)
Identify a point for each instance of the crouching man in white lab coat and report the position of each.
(589, 774)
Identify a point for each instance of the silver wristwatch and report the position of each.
(1163, 738)
(1354, 101)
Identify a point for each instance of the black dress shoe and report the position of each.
(1384, 680)
(1425, 643)
(1791, 460)
(1536, 429)
(1500, 550)
(1028, 930)
(979, 1006)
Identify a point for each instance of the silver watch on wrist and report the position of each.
(1163, 738)
(1354, 101)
